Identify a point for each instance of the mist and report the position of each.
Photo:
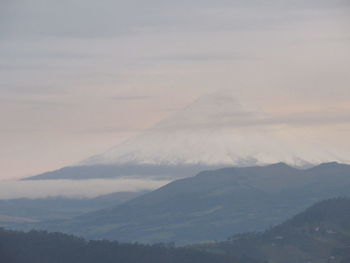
(11, 189)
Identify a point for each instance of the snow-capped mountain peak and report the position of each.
(216, 130)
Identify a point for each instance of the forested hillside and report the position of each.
(320, 234)
(42, 247)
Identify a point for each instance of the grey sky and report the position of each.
(77, 77)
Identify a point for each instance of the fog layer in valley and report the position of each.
(10, 189)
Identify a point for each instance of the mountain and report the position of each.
(213, 204)
(319, 234)
(214, 131)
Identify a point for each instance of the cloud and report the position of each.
(204, 57)
(35, 103)
(16, 131)
(76, 18)
(43, 54)
(30, 89)
(130, 98)
(111, 130)
(222, 111)
(311, 118)
(339, 116)
(91, 19)
(17, 67)
(72, 188)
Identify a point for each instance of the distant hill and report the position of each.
(213, 205)
(320, 234)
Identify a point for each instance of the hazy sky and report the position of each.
(79, 76)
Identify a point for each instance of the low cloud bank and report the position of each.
(74, 189)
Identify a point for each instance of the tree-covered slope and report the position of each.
(42, 247)
(319, 234)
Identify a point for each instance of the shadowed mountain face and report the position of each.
(214, 204)
(320, 234)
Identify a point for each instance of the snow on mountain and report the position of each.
(216, 130)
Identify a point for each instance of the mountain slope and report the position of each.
(214, 204)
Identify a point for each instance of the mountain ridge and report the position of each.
(212, 204)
